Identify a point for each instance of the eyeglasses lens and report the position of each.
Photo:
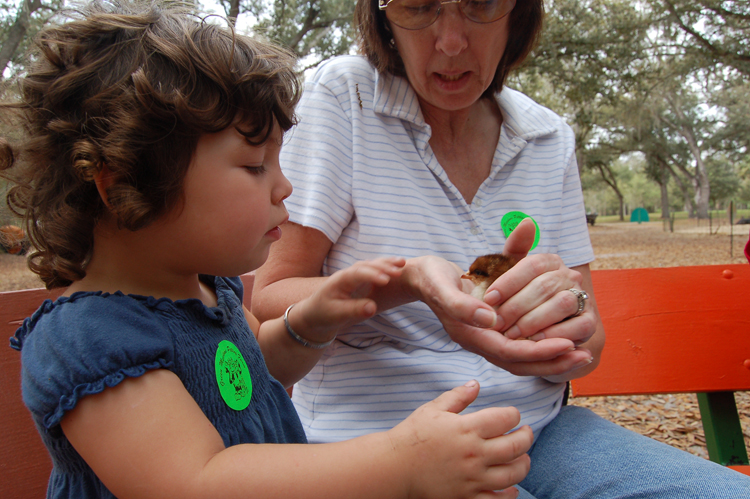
(418, 14)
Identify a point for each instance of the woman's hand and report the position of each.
(448, 455)
(532, 300)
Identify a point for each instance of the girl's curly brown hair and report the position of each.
(132, 87)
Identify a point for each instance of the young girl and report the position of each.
(150, 166)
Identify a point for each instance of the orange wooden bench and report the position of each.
(24, 463)
(682, 329)
(678, 330)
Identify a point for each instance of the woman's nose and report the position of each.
(451, 30)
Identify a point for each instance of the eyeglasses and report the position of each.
(418, 14)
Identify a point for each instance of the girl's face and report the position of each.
(453, 61)
(233, 205)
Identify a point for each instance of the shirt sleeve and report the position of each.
(317, 159)
(85, 346)
(575, 242)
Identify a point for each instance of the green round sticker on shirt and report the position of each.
(233, 376)
(510, 221)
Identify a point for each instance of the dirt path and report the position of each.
(674, 419)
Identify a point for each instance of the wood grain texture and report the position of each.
(672, 330)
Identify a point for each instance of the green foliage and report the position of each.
(20, 21)
(725, 183)
(666, 78)
(710, 32)
(314, 29)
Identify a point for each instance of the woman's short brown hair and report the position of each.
(132, 87)
(374, 38)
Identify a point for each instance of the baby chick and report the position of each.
(485, 270)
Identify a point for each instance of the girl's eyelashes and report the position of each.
(256, 170)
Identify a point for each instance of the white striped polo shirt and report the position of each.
(364, 174)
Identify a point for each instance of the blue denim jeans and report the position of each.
(581, 455)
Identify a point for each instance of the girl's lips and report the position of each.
(274, 233)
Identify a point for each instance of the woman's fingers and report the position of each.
(440, 286)
(521, 240)
(577, 329)
(522, 274)
(497, 348)
(561, 365)
(555, 319)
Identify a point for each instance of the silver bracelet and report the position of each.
(299, 339)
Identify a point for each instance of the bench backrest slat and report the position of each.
(24, 462)
(672, 330)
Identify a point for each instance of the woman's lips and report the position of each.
(451, 77)
(453, 80)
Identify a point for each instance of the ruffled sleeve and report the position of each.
(80, 345)
(235, 284)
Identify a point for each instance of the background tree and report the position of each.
(314, 29)
(663, 77)
(590, 54)
(717, 31)
(19, 23)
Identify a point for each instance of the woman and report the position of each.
(417, 150)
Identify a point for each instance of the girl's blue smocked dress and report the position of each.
(82, 344)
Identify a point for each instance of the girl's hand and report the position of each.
(343, 299)
(462, 456)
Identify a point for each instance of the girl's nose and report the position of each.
(451, 31)
(282, 190)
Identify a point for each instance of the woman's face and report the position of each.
(453, 61)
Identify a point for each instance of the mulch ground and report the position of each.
(673, 419)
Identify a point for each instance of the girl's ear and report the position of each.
(104, 181)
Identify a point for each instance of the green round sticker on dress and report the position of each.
(510, 221)
(233, 376)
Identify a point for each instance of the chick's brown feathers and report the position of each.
(485, 269)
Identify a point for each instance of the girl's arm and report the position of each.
(147, 438)
(338, 302)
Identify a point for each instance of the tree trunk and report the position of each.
(700, 180)
(17, 32)
(234, 11)
(687, 202)
(664, 200)
(663, 181)
(611, 180)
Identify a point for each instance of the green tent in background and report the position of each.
(639, 215)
